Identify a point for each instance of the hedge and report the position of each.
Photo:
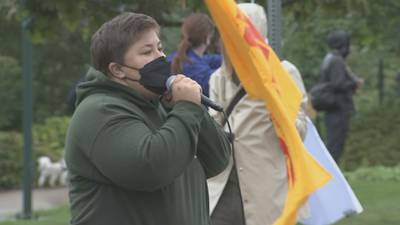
(374, 138)
(10, 159)
(48, 139)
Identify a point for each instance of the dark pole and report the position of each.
(27, 117)
(275, 25)
(381, 81)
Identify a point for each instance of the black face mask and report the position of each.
(154, 75)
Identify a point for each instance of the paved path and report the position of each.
(47, 198)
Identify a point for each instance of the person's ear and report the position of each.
(115, 70)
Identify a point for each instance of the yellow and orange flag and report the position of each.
(263, 77)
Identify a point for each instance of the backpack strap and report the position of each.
(238, 96)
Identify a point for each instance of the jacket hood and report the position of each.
(97, 82)
(258, 17)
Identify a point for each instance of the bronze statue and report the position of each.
(335, 71)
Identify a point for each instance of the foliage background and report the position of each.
(61, 33)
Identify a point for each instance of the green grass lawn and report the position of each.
(58, 216)
(381, 202)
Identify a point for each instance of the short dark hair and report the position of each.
(111, 41)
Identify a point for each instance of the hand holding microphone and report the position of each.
(184, 88)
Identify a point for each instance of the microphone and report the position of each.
(204, 100)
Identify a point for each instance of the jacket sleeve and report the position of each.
(213, 60)
(134, 157)
(301, 121)
(213, 147)
(216, 95)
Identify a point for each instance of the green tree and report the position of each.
(50, 18)
(61, 29)
(11, 93)
(374, 26)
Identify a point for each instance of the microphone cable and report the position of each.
(232, 140)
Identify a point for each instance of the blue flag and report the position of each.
(335, 200)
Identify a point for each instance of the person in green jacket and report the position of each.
(132, 160)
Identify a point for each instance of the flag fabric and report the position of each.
(334, 201)
(263, 77)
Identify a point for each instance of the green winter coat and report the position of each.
(131, 162)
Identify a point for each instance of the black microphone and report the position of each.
(204, 100)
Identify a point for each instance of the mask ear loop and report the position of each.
(132, 68)
(128, 78)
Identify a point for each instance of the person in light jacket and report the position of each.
(253, 188)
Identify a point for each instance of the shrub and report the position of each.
(373, 138)
(11, 93)
(377, 173)
(49, 137)
(11, 149)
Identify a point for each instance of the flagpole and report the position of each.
(275, 25)
(27, 117)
